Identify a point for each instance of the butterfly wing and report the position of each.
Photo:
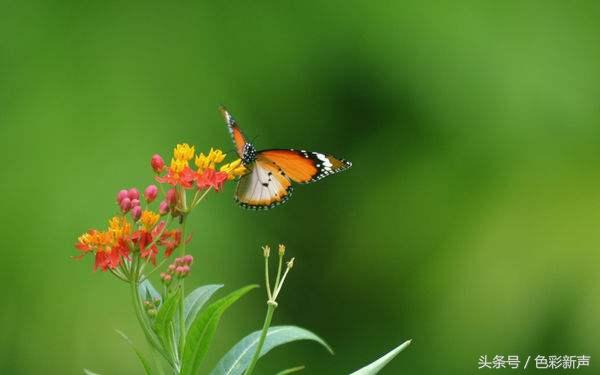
(305, 166)
(236, 134)
(265, 187)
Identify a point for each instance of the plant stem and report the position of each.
(182, 297)
(268, 284)
(263, 336)
(139, 312)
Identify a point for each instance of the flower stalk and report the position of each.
(271, 301)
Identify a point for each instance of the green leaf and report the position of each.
(237, 360)
(88, 372)
(148, 292)
(165, 316)
(376, 366)
(203, 329)
(139, 354)
(291, 370)
(195, 300)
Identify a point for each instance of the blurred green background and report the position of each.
(469, 221)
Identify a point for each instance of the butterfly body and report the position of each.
(270, 172)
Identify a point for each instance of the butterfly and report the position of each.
(268, 182)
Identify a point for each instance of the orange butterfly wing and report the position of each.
(236, 134)
(266, 186)
(305, 166)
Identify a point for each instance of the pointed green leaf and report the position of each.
(165, 316)
(237, 360)
(376, 366)
(148, 292)
(203, 329)
(195, 300)
(139, 354)
(291, 370)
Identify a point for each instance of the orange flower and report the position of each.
(110, 246)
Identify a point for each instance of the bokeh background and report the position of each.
(469, 221)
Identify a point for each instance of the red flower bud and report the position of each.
(125, 205)
(157, 163)
(133, 193)
(163, 209)
(122, 194)
(171, 197)
(150, 193)
(136, 213)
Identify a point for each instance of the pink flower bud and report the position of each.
(125, 205)
(179, 269)
(163, 209)
(150, 193)
(188, 259)
(135, 203)
(136, 213)
(167, 278)
(157, 163)
(133, 193)
(172, 267)
(171, 197)
(122, 194)
(178, 260)
(185, 269)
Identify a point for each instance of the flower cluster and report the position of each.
(138, 231)
(180, 269)
(206, 176)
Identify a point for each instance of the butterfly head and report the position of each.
(248, 154)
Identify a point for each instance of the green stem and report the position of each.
(263, 336)
(142, 320)
(278, 274)
(182, 298)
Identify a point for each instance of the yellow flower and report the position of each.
(118, 227)
(234, 169)
(214, 157)
(202, 162)
(149, 219)
(183, 152)
(178, 165)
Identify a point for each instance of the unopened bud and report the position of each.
(136, 213)
(281, 250)
(290, 264)
(120, 195)
(152, 313)
(156, 302)
(133, 193)
(150, 193)
(266, 251)
(135, 202)
(188, 259)
(172, 267)
(125, 205)
(171, 197)
(163, 208)
(157, 163)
